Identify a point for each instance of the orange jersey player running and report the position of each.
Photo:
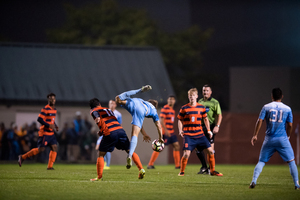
(189, 125)
(167, 116)
(46, 133)
(113, 136)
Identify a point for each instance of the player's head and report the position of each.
(276, 94)
(51, 99)
(153, 102)
(193, 95)
(206, 91)
(112, 105)
(94, 103)
(171, 100)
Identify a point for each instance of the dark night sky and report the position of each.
(246, 33)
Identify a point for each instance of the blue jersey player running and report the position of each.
(139, 109)
(279, 121)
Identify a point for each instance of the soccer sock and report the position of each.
(176, 156)
(126, 95)
(52, 157)
(108, 158)
(294, 172)
(133, 144)
(257, 170)
(153, 158)
(100, 166)
(201, 157)
(30, 153)
(212, 162)
(137, 161)
(183, 164)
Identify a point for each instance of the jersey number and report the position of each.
(275, 117)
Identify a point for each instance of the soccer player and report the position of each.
(46, 133)
(167, 116)
(113, 136)
(279, 120)
(139, 109)
(214, 115)
(189, 125)
(112, 106)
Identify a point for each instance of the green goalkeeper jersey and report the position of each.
(212, 108)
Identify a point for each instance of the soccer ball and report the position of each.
(157, 146)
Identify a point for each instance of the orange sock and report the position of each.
(30, 153)
(176, 155)
(153, 158)
(100, 166)
(183, 164)
(52, 157)
(212, 162)
(137, 161)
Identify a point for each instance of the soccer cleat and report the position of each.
(96, 179)
(146, 88)
(105, 167)
(203, 170)
(181, 174)
(215, 173)
(150, 167)
(252, 185)
(142, 174)
(297, 187)
(50, 168)
(20, 160)
(129, 163)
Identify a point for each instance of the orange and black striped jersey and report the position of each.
(108, 122)
(168, 114)
(191, 117)
(48, 116)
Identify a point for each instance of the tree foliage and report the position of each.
(108, 24)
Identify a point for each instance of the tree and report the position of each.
(108, 24)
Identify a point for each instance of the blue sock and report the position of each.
(108, 157)
(126, 95)
(133, 144)
(257, 170)
(294, 172)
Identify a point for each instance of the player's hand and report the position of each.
(181, 133)
(56, 128)
(253, 140)
(210, 134)
(161, 140)
(100, 133)
(52, 126)
(146, 138)
(216, 129)
(167, 133)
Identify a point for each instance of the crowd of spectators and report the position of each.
(76, 140)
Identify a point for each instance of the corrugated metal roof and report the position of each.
(78, 73)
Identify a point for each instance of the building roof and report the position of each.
(76, 73)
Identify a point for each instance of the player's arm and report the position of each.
(218, 121)
(159, 130)
(119, 101)
(207, 125)
(289, 127)
(256, 131)
(180, 126)
(43, 122)
(162, 120)
(146, 137)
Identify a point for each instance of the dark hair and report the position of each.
(153, 102)
(50, 95)
(207, 85)
(94, 103)
(172, 96)
(276, 94)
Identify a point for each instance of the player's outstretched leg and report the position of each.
(257, 170)
(29, 154)
(294, 173)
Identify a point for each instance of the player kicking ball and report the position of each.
(113, 136)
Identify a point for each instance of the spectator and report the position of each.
(63, 142)
(73, 148)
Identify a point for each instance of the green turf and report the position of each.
(33, 181)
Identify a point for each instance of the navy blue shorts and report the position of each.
(192, 142)
(46, 140)
(117, 138)
(170, 140)
(211, 140)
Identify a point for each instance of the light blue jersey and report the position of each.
(276, 115)
(118, 115)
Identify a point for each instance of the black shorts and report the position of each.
(211, 140)
(46, 140)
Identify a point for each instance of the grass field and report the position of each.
(33, 181)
